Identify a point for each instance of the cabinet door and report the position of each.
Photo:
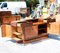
(30, 33)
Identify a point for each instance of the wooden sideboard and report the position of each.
(8, 19)
(29, 31)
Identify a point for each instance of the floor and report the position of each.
(43, 46)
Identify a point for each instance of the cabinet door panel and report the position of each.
(30, 33)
